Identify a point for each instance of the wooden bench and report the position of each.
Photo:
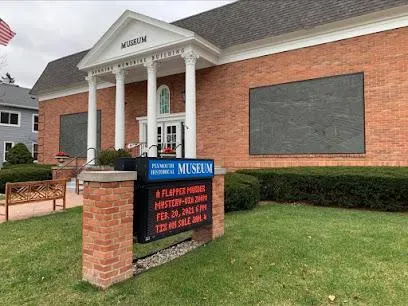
(28, 192)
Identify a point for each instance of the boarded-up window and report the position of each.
(323, 115)
(73, 133)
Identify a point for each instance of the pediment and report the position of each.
(130, 35)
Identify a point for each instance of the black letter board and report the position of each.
(171, 196)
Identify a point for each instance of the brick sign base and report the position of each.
(216, 229)
(107, 229)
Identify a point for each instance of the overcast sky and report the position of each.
(50, 30)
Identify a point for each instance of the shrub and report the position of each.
(19, 154)
(43, 166)
(381, 188)
(23, 174)
(241, 192)
(108, 157)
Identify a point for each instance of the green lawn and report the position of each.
(273, 255)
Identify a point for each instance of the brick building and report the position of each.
(250, 84)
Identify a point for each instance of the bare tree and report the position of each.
(8, 79)
(3, 61)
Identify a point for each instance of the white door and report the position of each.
(169, 134)
(160, 137)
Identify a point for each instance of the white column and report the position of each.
(190, 59)
(151, 109)
(179, 150)
(142, 138)
(92, 121)
(120, 109)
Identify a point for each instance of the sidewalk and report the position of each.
(24, 211)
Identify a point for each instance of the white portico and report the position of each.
(137, 48)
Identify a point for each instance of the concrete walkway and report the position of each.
(24, 211)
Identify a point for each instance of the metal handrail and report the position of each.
(76, 161)
(76, 165)
(137, 144)
(163, 144)
(76, 158)
(79, 170)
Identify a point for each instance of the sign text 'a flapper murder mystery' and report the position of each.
(177, 207)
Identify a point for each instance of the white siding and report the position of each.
(23, 133)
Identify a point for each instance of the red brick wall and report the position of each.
(135, 106)
(216, 228)
(65, 173)
(107, 232)
(223, 105)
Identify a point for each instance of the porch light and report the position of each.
(183, 95)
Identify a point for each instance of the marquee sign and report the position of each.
(171, 195)
(172, 208)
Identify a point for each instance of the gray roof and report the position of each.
(236, 23)
(61, 73)
(250, 20)
(15, 96)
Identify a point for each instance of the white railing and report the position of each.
(177, 149)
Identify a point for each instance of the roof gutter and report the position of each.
(18, 106)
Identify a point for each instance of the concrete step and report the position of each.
(71, 184)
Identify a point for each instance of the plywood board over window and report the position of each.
(74, 132)
(324, 115)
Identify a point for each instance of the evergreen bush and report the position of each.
(241, 192)
(108, 157)
(380, 188)
(19, 154)
(23, 174)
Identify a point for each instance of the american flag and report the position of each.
(6, 34)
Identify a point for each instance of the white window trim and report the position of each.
(161, 87)
(32, 150)
(32, 123)
(163, 117)
(163, 120)
(4, 148)
(11, 112)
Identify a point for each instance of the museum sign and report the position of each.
(133, 42)
(171, 195)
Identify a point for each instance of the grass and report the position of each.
(273, 255)
(2, 196)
